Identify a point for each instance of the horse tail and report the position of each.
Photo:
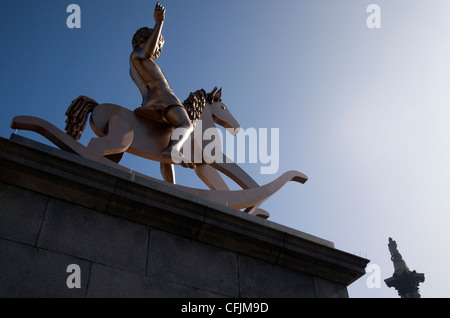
(77, 116)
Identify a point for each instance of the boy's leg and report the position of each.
(178, 118)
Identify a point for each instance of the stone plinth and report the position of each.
(133, 236)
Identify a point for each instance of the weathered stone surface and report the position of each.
(75, 230)
(26, 271)
(21, 213)
(259, 279)
(327, 289)
(107, 282)
(194, 264)
(149, 205)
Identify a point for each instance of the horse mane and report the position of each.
(197, 100)
(195, 103)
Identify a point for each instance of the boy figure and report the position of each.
(159, 101)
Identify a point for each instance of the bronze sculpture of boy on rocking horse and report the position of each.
(149, 130)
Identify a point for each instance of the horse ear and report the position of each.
(210, 96)
(218, 95)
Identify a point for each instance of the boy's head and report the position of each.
(142, 35)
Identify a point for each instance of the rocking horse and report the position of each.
(121, 130)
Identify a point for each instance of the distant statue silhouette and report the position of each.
(395, 254)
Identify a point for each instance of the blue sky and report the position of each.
(363, 112)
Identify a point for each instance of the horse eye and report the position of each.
(223, 107)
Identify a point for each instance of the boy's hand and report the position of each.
(159, 13)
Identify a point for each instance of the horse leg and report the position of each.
(118, 139)
(211, 177)
(235, 173)
(257, 212)
(168, 172)
(238, 175)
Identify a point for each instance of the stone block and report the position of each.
(56, 176)
(108, 282)
(78, 231)
(149, 206)
(258, 279)
(21, 213)
(194, 263)
(242, 233)
(27, 271)
(326, 289)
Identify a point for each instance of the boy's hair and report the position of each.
(142, 35)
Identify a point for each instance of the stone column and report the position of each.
(406, 282)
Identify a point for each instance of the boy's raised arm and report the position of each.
(151, 45)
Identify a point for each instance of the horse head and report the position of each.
(220, 113)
